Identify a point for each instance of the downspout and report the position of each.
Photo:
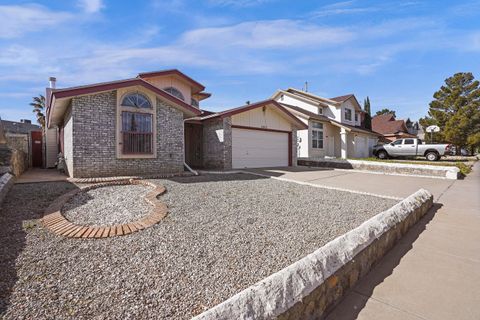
(184, 162)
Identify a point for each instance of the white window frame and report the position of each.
(317, 131)
(121, 93)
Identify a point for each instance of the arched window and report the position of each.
(175, 92)
(194, 103)
(136, 100)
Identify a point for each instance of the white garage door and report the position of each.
(256, 148)
(361, 148)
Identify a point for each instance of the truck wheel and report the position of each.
(382, 154)
(431, 156)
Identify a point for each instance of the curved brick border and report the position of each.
(58, 224)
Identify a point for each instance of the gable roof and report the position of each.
(306, 99)
(386, 124)
(318, 117)
(311, 96)
(227, 113)
(70, 92)
(176, 72)
(342, 98)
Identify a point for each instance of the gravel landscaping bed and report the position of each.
(223, 233)
(108, 205)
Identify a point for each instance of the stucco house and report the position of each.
(153, 124)
(334, 125)
(390, 128)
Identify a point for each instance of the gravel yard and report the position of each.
(108, 205)
(223, 233)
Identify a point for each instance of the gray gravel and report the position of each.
(108, 205)
(223, 234)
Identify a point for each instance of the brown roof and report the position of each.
(319, 117)
(342, 98)
(386, 124)
(176, 72)
(309, 114)
(105, 86)
(251, 106)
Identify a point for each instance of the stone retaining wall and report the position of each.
(13, 160)
(446, 172)
(310, 287)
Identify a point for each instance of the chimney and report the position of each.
(26, 121)
(53, 82)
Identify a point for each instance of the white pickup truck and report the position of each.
(409, 148)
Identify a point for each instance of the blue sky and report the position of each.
(396, 52)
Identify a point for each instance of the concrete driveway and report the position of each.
(433, 273)
(381, 184)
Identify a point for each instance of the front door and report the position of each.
(331, 146)
(193, 145)
(37, 155)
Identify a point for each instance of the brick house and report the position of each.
(153, 124)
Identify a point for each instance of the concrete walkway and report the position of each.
(34, 175)
(433, 273)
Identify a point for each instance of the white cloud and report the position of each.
(91, 6)
(16, 20)
(17, 55)
(339, 8)
(238, 3)
(266, 35)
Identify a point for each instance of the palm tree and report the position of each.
(38, 105)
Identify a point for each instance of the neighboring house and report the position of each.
(334, 125)
(26, 137)
(415, 129)
(153, 124)
(390, 128)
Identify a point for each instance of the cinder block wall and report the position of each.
(94, 139)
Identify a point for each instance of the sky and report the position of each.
(398, 53)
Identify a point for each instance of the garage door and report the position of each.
(256, 148)
(361, 148)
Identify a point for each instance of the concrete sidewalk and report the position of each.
(433, 273)
(35, 175)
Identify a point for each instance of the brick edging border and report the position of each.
(56, 222)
